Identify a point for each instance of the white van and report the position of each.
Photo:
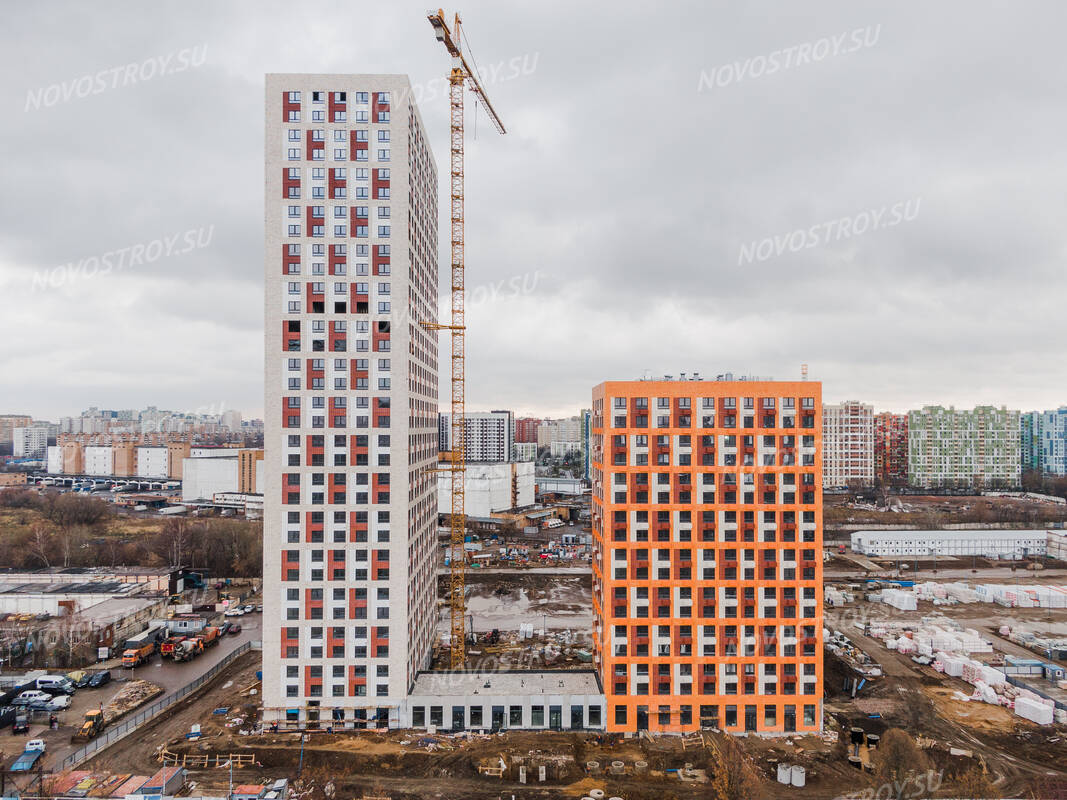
(55, 684)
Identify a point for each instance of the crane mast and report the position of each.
(461, 75)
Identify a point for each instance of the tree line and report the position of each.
(54, 529)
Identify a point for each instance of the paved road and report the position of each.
(167, 674)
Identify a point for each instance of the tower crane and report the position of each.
(461, 75)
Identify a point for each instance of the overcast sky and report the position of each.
(876, 190)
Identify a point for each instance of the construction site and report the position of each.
(712, 650)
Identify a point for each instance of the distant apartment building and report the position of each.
(30, 441)
(9, 423)
(152, 420)
(891, 448)
(707, 554)
(1052, 441)
(524, 451)
(351, 439)
(586, 419)
(560, 436)
(959, 448)
(489, 435)
(526, 430)
(1030, 441)
(848, 444)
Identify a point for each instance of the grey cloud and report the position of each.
(627, 188)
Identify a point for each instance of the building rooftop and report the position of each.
(950, 534)
(67, 587)
(506, 683)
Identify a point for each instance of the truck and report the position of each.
(25, 762)
(166, 649)
(148, 635)
(188, 650)
(210, 636)
(136, 656)
(93, 724)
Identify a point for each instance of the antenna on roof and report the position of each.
(803, 372)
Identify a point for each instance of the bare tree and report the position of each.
(898, 757)
(735, 778)
(41, 543)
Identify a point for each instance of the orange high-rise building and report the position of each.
(707, 554)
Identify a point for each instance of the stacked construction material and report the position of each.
(899, 598)
(1036, 710)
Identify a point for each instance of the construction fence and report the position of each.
(122, 729)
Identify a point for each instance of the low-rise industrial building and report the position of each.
(1003, 544)
(516, 699)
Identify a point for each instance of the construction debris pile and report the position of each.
(132, 695)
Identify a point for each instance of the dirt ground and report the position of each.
(927, 510)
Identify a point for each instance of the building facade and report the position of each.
(490, 435)
(524, 451)
(891, 448)
(30, 441)
(848, 444)
(1007, 544)
(561, 436)
(1052, 441)
(586, 418)
(1030, 441)
(9, 423)
(489, 488)
(526, 430)
(350, 504)
(707, 544)
(958, 448)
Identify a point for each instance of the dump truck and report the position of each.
(188, 650)
(210, 636)
(166, 649)
(135, 657)
(94, 723)
(29, 757)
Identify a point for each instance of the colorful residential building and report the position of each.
(891, 448)
(960, 448)
(707, 554)
(350, 500)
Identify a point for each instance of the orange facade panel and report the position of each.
(707, 556)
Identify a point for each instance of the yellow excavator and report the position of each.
(94, 723)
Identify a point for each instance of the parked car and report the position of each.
(55, 684)
(248, 609)
(235, 629)
(99, 679)
(259, 609)
(80, 678)
(31, 696)
(224, 628)
(60, 702)
(234, 612)
(22, 721)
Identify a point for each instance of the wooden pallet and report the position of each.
(693, 740)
